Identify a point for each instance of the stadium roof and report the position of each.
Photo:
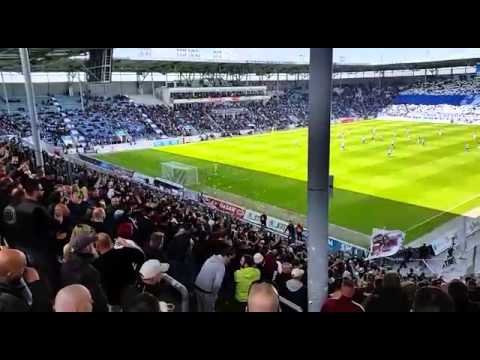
(41, 59)
(407, 66)
(60, 60)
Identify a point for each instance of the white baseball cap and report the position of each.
(258, 258)
(297, 273)
(152, 268)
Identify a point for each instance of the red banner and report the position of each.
(229, 208)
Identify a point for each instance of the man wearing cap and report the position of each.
(210, 278)
(344, 303)
(295, 291)
(259, 261)
(152, 273)
(118, 265)
(78, 268)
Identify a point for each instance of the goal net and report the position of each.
(180, 173)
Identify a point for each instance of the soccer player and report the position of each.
(474, 136)
(364, 139)
(467, 147)
(389, 152)
(392, 144)
(342, 146)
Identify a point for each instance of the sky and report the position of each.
(298, 55)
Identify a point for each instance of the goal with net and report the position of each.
(180, 173)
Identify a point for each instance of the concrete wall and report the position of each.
(114, 88)
(40, 89)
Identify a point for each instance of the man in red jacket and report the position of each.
(344, 303)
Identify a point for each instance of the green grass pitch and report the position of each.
(416, 189)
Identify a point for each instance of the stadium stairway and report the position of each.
(214, 122)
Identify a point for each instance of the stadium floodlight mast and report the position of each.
(81, 92)
(318, 175)
(31, 108)
(5, 93)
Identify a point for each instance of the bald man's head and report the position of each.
(12, 265)
(73, 298)
(263, 297)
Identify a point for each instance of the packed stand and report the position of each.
(216, 94)
(467, 114)
(97, 242)
(360, 101)
(445, 87)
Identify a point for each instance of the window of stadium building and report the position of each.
(187, 191)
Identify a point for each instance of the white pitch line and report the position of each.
(438, 215)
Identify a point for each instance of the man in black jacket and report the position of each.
(459, 293)
(33, 232)
(144, 227)
(389, 298)
(118, 266)
(78, 268)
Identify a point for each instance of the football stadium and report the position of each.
(234, 180)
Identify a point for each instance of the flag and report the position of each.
(385, 243)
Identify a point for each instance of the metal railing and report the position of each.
(184, 306)
(290, 304)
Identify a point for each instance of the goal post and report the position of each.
(180, 173)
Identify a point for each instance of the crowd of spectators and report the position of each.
(117, 239)
(449, 113)
(360, 101)
(445, 87)
(216, 94)
(357, 285)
